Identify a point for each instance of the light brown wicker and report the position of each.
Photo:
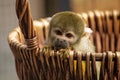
(34, 63)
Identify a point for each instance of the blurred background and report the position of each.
(39, 9)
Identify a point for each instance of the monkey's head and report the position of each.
(66, 29)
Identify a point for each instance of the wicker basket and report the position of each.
(36, 63)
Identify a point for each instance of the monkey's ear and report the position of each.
(87, 32)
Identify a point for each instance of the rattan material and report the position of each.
(36, 63)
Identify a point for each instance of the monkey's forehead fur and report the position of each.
(68, 21)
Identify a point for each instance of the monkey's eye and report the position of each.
(58, 32)
(69, 35)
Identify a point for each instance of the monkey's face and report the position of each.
(65, 30)
(62, 39)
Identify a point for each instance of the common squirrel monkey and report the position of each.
(68, 29)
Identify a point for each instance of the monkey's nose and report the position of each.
(60, 44)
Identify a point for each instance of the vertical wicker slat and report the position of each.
(93, 65)
(98, 20)
(118, 66)
(109, 65)
(118, 42)
(102, 69)
(91, 20)
(79, 71)
(108, 22)
(88, 71)
(116, 23)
